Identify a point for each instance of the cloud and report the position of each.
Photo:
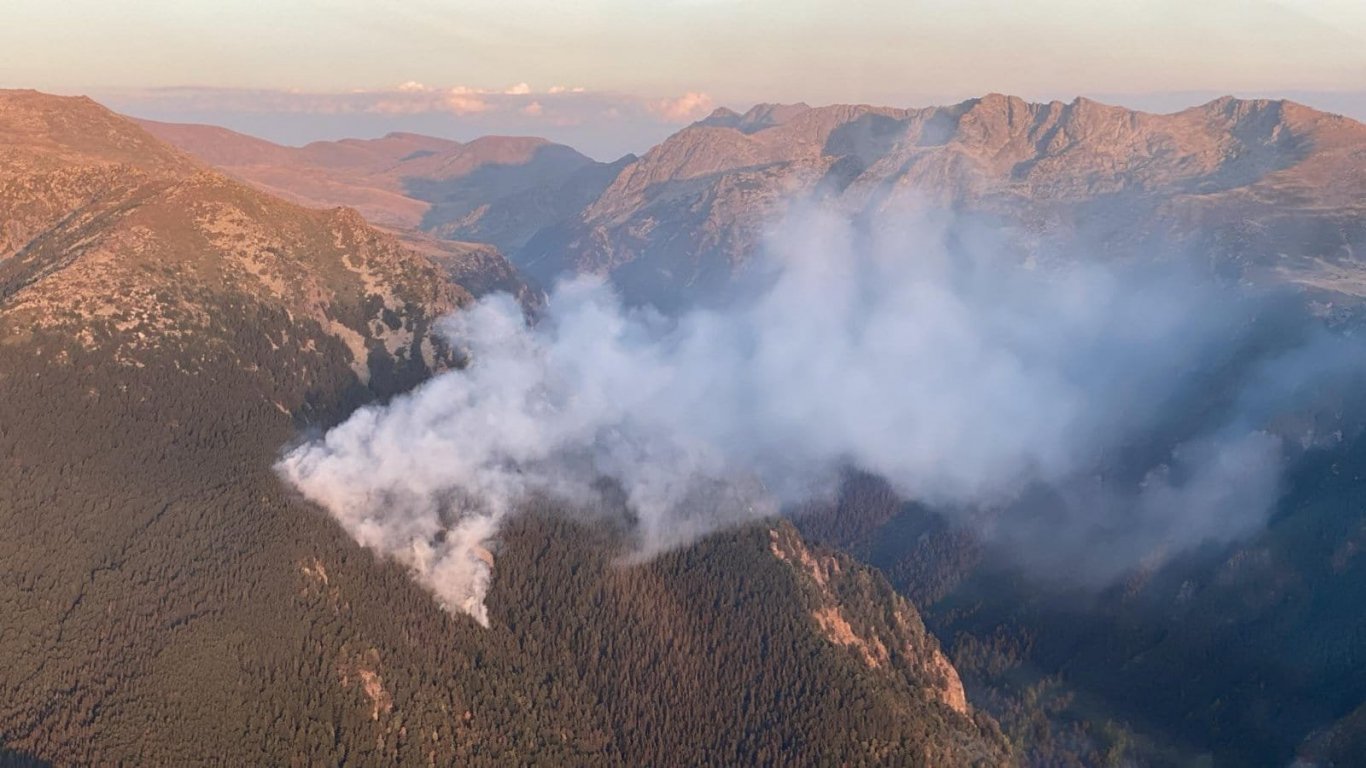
(603, 124)
(464, 101)
(1049, 409)
(690, 106)
(415, 98)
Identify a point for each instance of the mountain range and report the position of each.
(177, 302)
(1264, 189)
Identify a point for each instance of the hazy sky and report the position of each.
(634, 55)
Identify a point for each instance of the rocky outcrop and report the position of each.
(855, 607)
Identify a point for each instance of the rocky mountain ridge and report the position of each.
(1264, 187)
(1267, 190)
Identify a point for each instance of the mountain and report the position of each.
(498, 190)
(164, 330)
(55, 163)
(1240, 654)
(1245, 654)
(1256, 186)
(1236, 654)
(1269, 190)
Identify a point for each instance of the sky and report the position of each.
(621, 74)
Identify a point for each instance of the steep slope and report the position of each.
(1243, 654)
(476, 267)
(1252, 185)
(496, 190)
(79, 159)
(167, 601)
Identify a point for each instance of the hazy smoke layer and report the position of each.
(1066, 409)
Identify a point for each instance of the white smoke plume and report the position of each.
(967, 379)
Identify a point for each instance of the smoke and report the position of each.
(1087, 415)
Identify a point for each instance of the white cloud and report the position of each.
(464, 102)
(603, 124)
(690, 106)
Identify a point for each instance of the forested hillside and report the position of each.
(168, 601)
(1246, 654)
(163, 580)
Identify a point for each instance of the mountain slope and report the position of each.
(168, 601)
(1241, 654)
(59, 162)
(497, 190)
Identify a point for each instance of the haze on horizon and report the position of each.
(615, 75)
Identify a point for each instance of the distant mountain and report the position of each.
(164, 330)
(1261, 189)
(1256, 187)
(497, 190)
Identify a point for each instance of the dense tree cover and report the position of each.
(1248, 654)
(168, 601)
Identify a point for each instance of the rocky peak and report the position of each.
(762, 116)
(721, 117)
(995, 120)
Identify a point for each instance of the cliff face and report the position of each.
(854, 606)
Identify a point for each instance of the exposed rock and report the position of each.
(362, 669)
(850, 605)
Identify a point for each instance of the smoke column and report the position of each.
(900, 347)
